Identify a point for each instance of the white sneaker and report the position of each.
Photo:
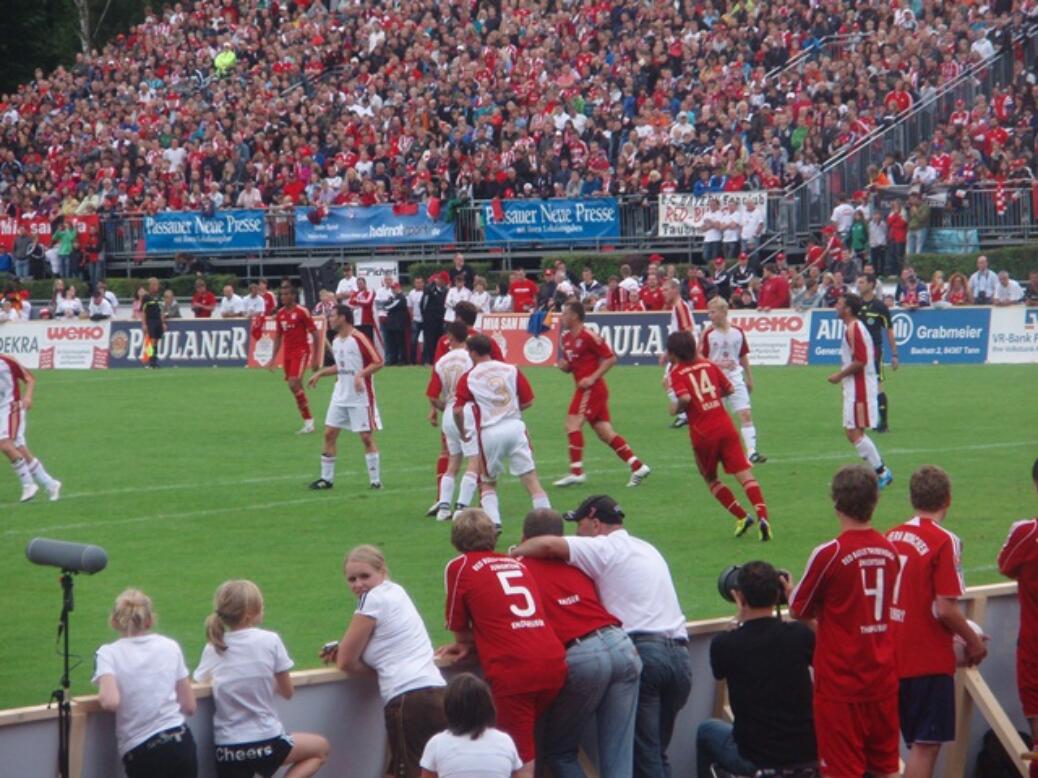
(28, 492)
(444, 512)
(571, 479)
(54, 490)
(308, 427)
(433, 509)
(639, 475)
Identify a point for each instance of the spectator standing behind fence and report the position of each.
(712, 227)
(603, 668)
(897, 236)
(918, 224)
(982, 283)
(64, 241)
(731, 234)
(432, 309)
(142, 677)
(459, 268)
(347, 284)
(470, 746)
(386, 635)
(247, 666)
(414, 309)
(771, 701)
(396, 326)
(877, 227)
(480, 297)
(458, 293)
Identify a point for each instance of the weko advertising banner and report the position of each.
(559, 220)
(682, 215)
(775, 338)
(1014, 335)
(373, 225)
(42, 345)
(945, 336)
(223, 231)
(186, 343)
(261, 344)
(40, 226)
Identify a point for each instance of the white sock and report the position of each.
(371, 460)
(39, 472)
(469, 482)
(749, 437)
(489, 502)
(541, 501)
(868, 451)
(328, 468)
(22, 471)
(446, 489)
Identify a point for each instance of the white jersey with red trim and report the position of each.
(10, 374)
(448, 371)
(860, 389)
(681, 319)
(725, 348)
(856, 346)
(498, 391)
(352, 354)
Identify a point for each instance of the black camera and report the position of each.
(729, 580)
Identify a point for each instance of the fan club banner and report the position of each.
(261, 344)
(238, 230)
(682, 215)
(374, 225)
(559, 220)
(41, 228)
(43, 345)
(186, 343)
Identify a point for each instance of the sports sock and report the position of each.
(724, 496)
(749, 438)
(303, 404)
(619, 445)
(541, 501)
(371, 460)
(756, 497)
(882, 407)
(469, 482)
(867, 450)
(39, 472)
(576, 452)
(489, 502)
(446, 489)
(21, 469)
(328, 468)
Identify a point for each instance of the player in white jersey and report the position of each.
(860, 385)
(726, 346)
(499, 393)
(443, 384)
(681, 320)
(352, 406)
(14, 409)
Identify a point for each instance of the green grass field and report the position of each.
(190, 477)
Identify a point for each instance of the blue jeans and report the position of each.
(715, 744)
(917, 240)
(601, 682)
(96, 272)
(64, 266)
(21, 268)
(665, 685)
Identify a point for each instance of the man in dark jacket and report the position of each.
(395, 327)
(433, 307)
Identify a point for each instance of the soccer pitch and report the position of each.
(188, 477)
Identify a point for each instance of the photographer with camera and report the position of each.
(767, 665)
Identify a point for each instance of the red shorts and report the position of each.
(517, 714)
(592, 404)
(856, 737)
(724, 449)
(1027, 684)
(296, 363)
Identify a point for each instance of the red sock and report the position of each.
(724, 496)
(576, 452)
(303, 404)
(756, 496)
(619, 445)
(441, 464)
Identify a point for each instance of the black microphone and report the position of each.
(74, 557)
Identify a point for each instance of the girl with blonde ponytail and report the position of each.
(143, 679)
(249, 737)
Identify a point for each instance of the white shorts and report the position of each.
(860, 409)
(739, 399)
(504, 442)
(355, 418)
(455, 445)
(12, 423)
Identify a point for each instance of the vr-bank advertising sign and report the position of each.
(561, 221)
(947, 336)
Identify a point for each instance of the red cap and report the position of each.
(719, 261)
(744, 255)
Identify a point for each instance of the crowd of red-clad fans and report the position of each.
(270, 103)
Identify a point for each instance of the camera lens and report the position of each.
(728, 580)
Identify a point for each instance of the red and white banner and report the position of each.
(44, 345)
(261, 345)
(776, 338)
(682, 215)
(517, 344)
(40, 227)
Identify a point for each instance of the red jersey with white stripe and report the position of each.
(570, 600)
(705, 386)
(725, 348)
(931, 567)
(11, 373)
(848, 587)
(365, 303)
(584, 351)
(681, 319)
(446, 373)
(352, 354)
(498, 391)
(1018, 560)
(295, 325)
(496, 597)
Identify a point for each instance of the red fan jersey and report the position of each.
(570, 601)
(295, 325)
(584, 351)
(1018, 559)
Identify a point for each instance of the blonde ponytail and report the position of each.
(234, 604)
(132, 613)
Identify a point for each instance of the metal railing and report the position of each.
(832, 47)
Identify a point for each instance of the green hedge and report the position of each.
(426, 269)
(126, 288)
(1018, 261)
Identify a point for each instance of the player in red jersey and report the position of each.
(1018, 560)
(925, 616)
(15, 405)
(269, 301)
(699, 388)
(589, 357)
(494, 607)
(848, 587)
(299, 334)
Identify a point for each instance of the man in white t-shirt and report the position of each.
(1008, 291)
(842, 218)
(231, 305)
(635, 585)
(982, 283)
(731, 234)
(249, 197)
(347, 284)
(713, 222)
(414, 305)
(254, 304)
(752, 226)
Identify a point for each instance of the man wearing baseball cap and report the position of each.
(634, 584)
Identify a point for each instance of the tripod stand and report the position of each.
(62, 696)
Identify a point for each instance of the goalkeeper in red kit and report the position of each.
(298, 333)
(700, 387)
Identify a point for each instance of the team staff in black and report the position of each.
(876, 317)
(151, 320)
